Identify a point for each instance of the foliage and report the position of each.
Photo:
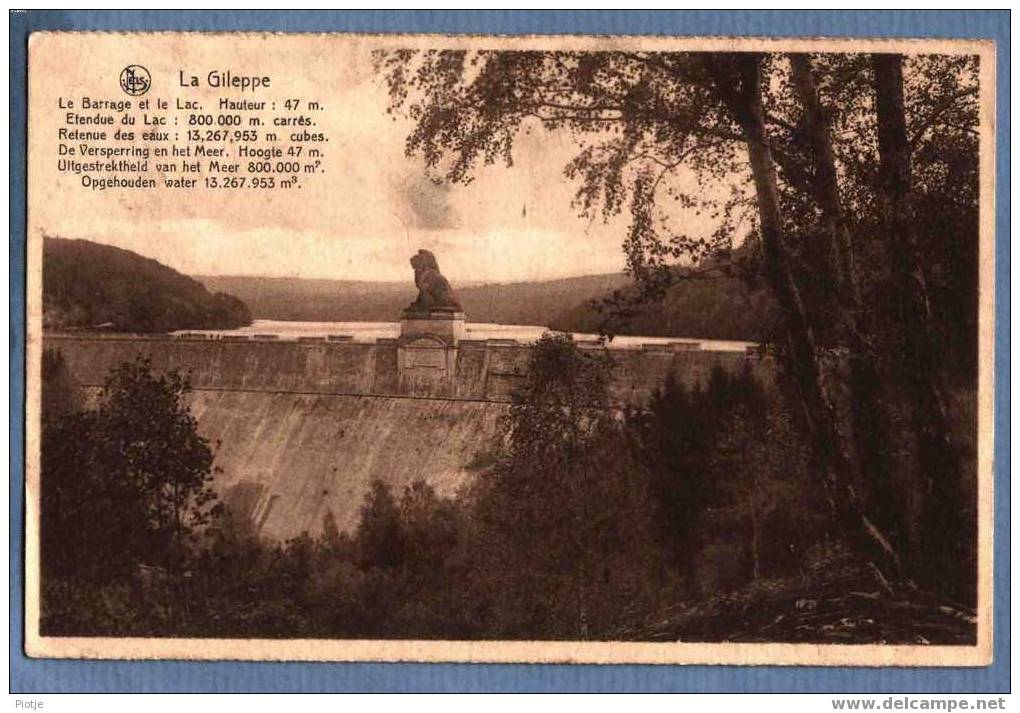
(125, 484)
(86, 284)
(638, 117)
(380, 540)
(655, 141)
(771, 167)
(762, 493)
(678, 439)
(562, 527)
(59, 397)
(712, 308)
(726, 463)
(585, 521)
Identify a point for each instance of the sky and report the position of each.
(363, 218)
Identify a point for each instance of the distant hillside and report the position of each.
(340, 301)
(718, 308)
(710, 309)
(86, 284)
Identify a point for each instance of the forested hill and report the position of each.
(341, 300)
(711, 309)
(716, 308)
(86, 284)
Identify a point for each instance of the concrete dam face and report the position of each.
(301, 428)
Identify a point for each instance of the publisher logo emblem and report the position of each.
(135, 80)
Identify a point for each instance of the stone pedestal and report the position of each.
(445, 325)
(427, 347)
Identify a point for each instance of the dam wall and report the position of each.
(300, 429)
(482, 370)
(288, 460)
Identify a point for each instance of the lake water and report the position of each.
(370, 331)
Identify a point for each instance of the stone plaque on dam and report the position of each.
(424, 354)
(426, 360)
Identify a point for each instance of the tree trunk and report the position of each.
(869, 414)
(919, 355)
(752, 506)
(737, 80)
(816, 125)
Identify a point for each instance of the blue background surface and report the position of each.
(32, 675)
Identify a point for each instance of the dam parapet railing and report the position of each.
(488, 369)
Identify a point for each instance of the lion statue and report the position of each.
(434, 291)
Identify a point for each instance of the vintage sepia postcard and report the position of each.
(586, 349)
